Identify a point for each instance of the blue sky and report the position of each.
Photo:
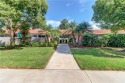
(78, 10)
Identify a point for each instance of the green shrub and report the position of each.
(109, 40)
(92, 40)
(105, 40)
(44, 44)
(70, 40)
(52, 44)
(35, 44)
(9, 47)
(117, 41)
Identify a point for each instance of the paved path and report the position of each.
(62, 59)
(62, 68)
(60, 76)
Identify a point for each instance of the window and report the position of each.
(34, 35)
(1, 35)
(43, 35)
(39, 36)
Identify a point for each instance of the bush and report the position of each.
(105, 40)
(92, 40)
(109, 40)
(116, 41)
(52, 44)
(35, 44)
(44, 44)
(71, 40)
(9, 47)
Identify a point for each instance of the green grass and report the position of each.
(99, 58)
(26, 58)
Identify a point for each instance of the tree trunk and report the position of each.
(79, 39)
(11, 31)
(47, 40)
(82, 39)
(74, 39)
(14, 37)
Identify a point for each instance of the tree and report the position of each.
(64, 24)
(81, 29)
(47, 34)
(28, 14)
(110, 14)
(33, 15)
(50, 32)
(8, 15)
(72, 28)
(55, 34)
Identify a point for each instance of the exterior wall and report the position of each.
(4, 41)
(37, 38)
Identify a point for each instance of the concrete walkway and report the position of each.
(62, 59)
(62, 68)
(60, 76)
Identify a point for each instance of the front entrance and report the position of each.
(63, 40)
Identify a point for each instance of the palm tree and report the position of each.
(81, 29)
(55, 34)
(72, 28)
(47, 29)
(50, 32)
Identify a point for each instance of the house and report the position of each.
(36, 36)
(39, 36)
(100, 33)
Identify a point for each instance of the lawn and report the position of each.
(100, 58)
(26, 57)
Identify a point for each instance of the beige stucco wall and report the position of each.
(4, 41)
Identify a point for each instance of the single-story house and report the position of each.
(39, 36)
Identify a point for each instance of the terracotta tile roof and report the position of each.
(69, 32)
(37, 32)
(30, 31)
(102, 32)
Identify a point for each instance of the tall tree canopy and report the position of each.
(110, 14)
(26, 13)
(64, 24)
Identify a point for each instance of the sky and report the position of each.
(73, 10)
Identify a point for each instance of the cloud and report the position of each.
(94, 25)
(69, 19)
(68, 4)
(53, 23)
(83, 1)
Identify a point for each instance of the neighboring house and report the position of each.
(39, 36)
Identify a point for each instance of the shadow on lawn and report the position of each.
(98, 52)
(17, 48)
